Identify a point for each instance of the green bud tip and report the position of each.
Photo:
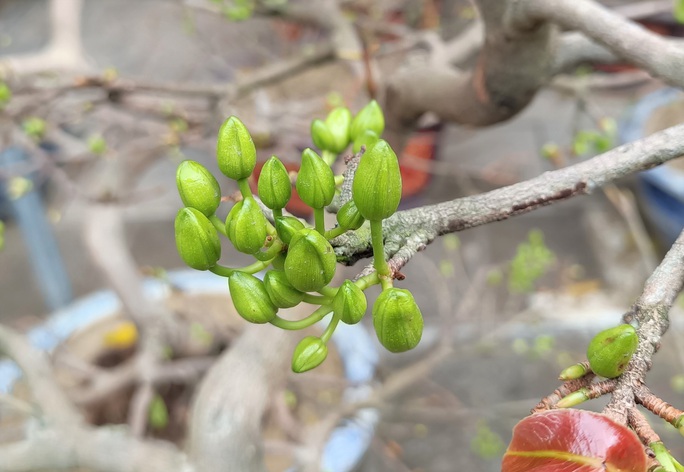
(574, 399)
(610, 351)
(280, 290)
(310, 262)
(235, 151)
(367, 138)
(338, 122)
(573, 372)
(377, 184)
(315, 181)
(246, 226)
(197, 240)
(350, 303)
(287, 226)
(349, 217)
(397, 320)
(321, 136)
(197, 187)
(309, 354)
(250, 298)
(274, 185)
(369, 118)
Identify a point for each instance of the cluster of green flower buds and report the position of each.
(297, 257)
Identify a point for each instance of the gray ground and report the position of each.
(491, 379)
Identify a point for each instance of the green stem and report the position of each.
(219, 225)
(335, 232)
(253, 268)
(339, 180)
(244, 188)
(328, 291)
(663, 456)
(329, 157)
(379, 261)
(271, 252)
(368, 280)
(319, 220)
(330, 329)
(312, 319)
(316, 299)
(277, 213)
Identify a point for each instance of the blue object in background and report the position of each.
(662, 188)
(29, 213)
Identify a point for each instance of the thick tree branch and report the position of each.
(409, 231)
(650, 313)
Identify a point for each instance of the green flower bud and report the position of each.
(315, 181)
(274, 184)
(278, 262)
(349, 217)
(573, 372)
(369, 118)
(280, 290)
(339, 123)
(235, 150)
(350, 303)
(250, 298)
(367, 138)
(397, 320)
(321, 136)
(310, 261)
(377, 184)
(309, 354)
(197, 187)
(287, 226)
(610, 350)
(573, 399)
(197, 240)
(246, 226)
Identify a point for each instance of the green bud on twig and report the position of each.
(339, 123)
(287, 226)
(280, 290)
(321, 135)
(573, 399)
(367, 138)
(274, 184)
(197, 187)
(349, 216)
(610, 350)
(397, 320)
(573, 372)
(250, 298)
(197, 240)
(377, 184)
(350, 303)
(310, 261)
(235, 151)
(246, 226)
(369, 118)
(309, 354)
(315, 181)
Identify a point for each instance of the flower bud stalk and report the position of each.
(379, 262)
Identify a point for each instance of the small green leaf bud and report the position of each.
(287, 226)
(246, 226)
(274, 185)
(309, 354)
(339, 123)
(367, 138)
(349, 217)
(197, 240)
(610, 350)
(197, 187)
(397, 320)
(315, 181)
(369, 118)
(573, 399)
(377, 184)
(350, 303)
(250, 298)
(280, 290)
(573, 372)
(235, 151)
(310, 261)
(321, 135)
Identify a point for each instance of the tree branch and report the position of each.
(411, 230)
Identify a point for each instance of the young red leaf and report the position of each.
(573, 440)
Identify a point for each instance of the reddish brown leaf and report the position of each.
(573, 441)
